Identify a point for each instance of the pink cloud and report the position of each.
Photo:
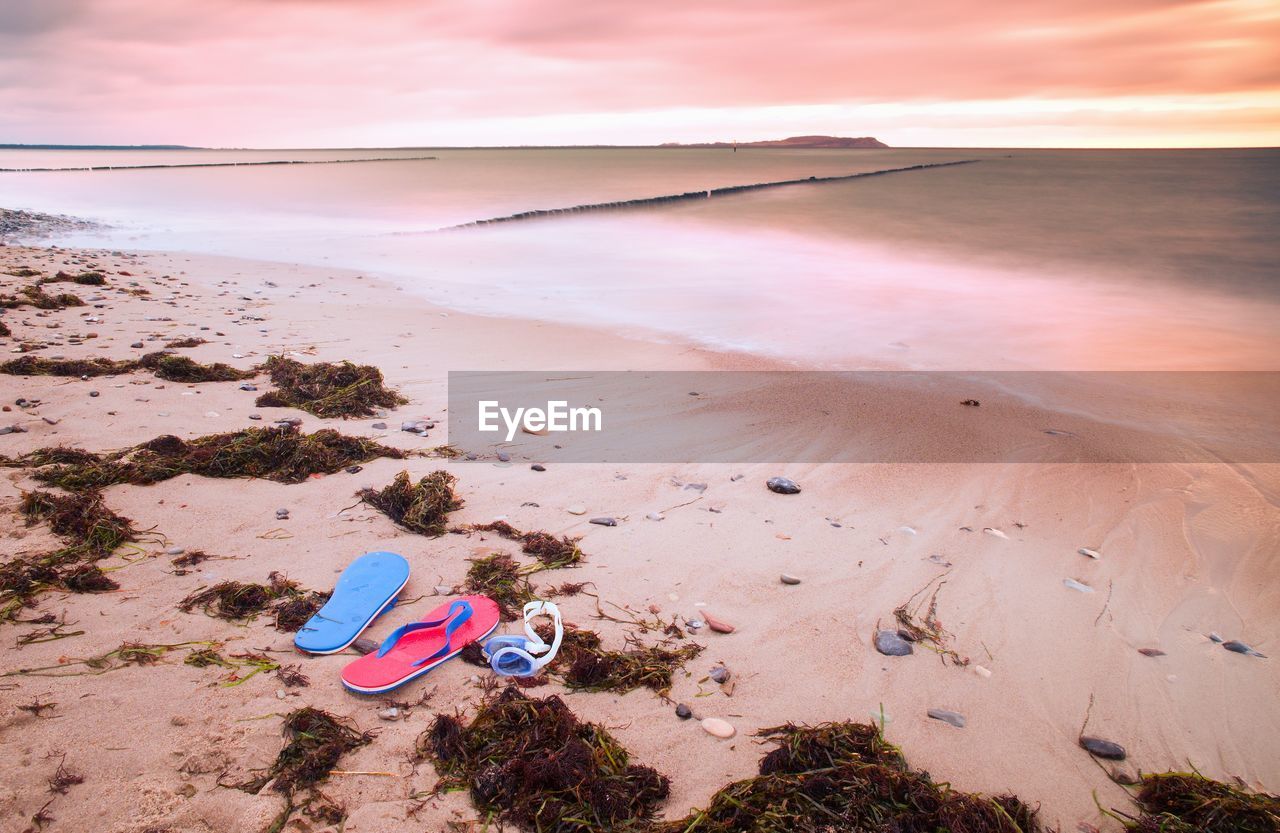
(313, 71)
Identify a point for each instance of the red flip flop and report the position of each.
(414, 649)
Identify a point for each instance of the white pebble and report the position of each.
(717, 727)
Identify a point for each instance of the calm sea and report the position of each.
(1026, 259)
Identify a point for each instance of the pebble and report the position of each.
(656, 516)
(1239, 647)
(891, 644)
(1089, 552)
(1110, 750)
(982, 671)
(604, 521)
(249, 387)
(954, 718)
(281, 694)
(295, 421)
(782, 486)
(255, 416)
(1072, 584)
(1151, 652)
(718, 625)
(174, 551)
(364, 645)
(538, 467)
(282, 514)
(94, 393)
(354, 469)
(991, 530)
(736, 478)
(392, 713)
(137, 345)
(695, 624)
(684, 712)
(504, 457)
(1213, 637)
(719, 674)
(442, 589)
(379, 426)
(718, 728)
(577, 509)
(787, 578)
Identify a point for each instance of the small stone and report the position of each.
(718, 728)
(1123, 776)
(248, 387)
(94, 393)
(1072, 584)
(380, 426)
(186, 790)
(289, 421)
(891, 644)
(656, 516)
(504, 457)
(695, 487)
(604, 521)
(718, 625)
(954, 718)
(281, 694)
(787, 578)
(997, 533)
(719, 674)
(1239, 647)
(354, 469)
(695, 624)
(174, 551)
(972, 403)
(782, 486)
(255, 416)
(577, 509)
(982, 671)
(1110, 750)
(392, 713)
(364, 645)
(137, 345)
(684, 712)
(1213, 637)
(538, 467)
(282, 514)
(1089, 552)
(1151, 652)
(735, 478)
(443, 589)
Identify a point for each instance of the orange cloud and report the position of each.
(316, 72)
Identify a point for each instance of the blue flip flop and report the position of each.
(366, 589)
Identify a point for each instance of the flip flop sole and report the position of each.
(388, 603)
(416, 674)
(367, 588)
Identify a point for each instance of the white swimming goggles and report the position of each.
(524, 656)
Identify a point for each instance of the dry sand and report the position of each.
(1187, 549)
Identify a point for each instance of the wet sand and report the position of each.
(1187, 549)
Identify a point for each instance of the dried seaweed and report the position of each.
(1185, 802)
(846, 776)
(128, 654)
(240, 601)
(327, 389)
(165, 365)
(190, 341)
(36, 297)
(83, 278)
(928, 631)
(317, 740)
(584, 664)
(502, 579)
(282, 454)
(535, 765)
(551, 551)
(423, 507)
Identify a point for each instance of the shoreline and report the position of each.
(1186, 551)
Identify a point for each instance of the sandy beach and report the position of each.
(1186, 550)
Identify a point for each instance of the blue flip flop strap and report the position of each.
(459, 612)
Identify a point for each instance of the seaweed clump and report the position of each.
(165, 365)
(551, 552)
(83, 278)
(91, 532)
(421, 507)
(316, 742)
(538, 767)
(584, 664)
(502, 579)
(846, 776)
(184, 342)
(234, 600)
(1182, 802)
(327, 389)
(36, 297)
(283, 454)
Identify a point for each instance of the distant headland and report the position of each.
(793, 142)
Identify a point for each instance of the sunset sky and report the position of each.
(271, 73)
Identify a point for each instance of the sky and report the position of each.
(346, 73)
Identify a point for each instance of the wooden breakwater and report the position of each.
(223, 164)
(710, 193)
